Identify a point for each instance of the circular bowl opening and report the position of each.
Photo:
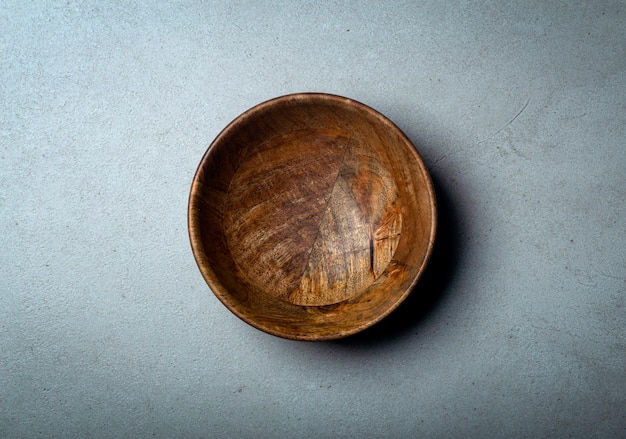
(311, 216)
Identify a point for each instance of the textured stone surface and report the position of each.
(107, 328)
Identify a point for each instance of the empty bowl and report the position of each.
(311, 216)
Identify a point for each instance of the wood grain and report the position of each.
(311, 216)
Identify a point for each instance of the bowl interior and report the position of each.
(311, 216)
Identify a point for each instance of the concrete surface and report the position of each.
(107, 328)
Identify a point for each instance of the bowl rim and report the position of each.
(211, 278)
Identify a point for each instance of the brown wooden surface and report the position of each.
(311, 216)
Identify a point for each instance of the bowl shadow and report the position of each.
(431, 288)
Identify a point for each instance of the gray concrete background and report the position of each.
(107, 328)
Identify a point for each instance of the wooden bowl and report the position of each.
(311, 216)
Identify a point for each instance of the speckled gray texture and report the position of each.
(107, 328)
